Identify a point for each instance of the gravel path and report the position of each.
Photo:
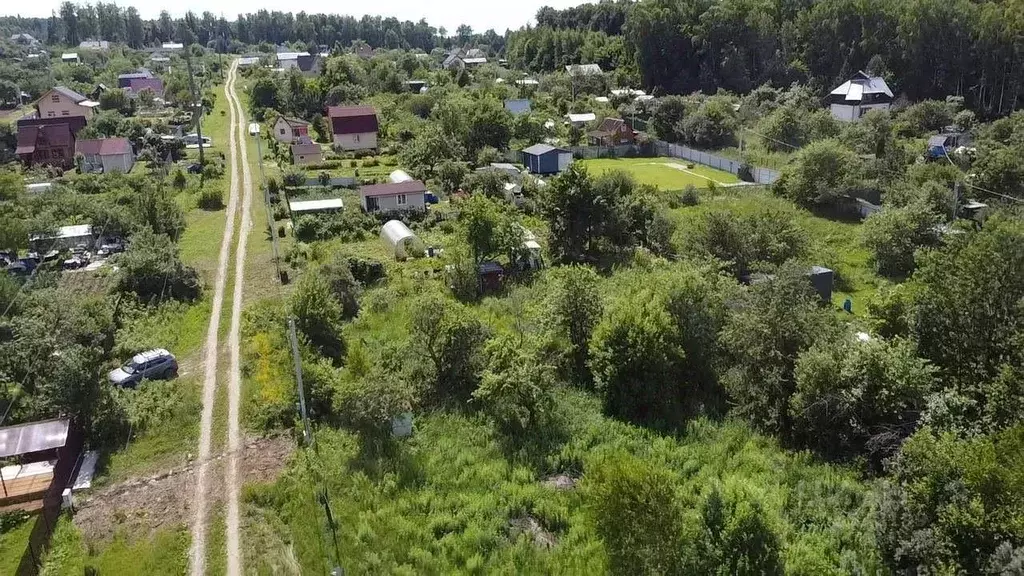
(197, 551)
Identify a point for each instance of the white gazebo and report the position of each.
(400, 239)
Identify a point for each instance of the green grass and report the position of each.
(441, 501)
(656, 172)
(833, 244)
(166, 553)
(13, 544)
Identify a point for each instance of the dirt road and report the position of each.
(240, 186)
(234, 564)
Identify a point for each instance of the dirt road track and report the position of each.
(234, 564)
(197, 551)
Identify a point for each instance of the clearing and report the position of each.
(664, 173)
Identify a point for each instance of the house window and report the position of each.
(356, 137)
(371, 204)
(58, 153)
(65, 113)
(55, 98)
(282, 131)
(50, 114)
(402, 200)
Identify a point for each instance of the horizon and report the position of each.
(449, 14)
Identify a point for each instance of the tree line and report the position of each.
(924, 49)
(73, 23)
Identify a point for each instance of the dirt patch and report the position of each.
(560, 482)
(141, 506)
(530, 525)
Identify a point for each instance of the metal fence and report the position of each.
(587, 152)
(761, 175)
(661, 148)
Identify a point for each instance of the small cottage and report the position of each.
(306, 153)
(546, 159)
(354, 127)
(62, 101)
(404, 196)
(858, 96)
(70, 58)
(288, 130)
(105, 155)
(46, 145)
(125, 80)
(611, 132)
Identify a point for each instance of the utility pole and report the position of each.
(197, 103)
(298, 381)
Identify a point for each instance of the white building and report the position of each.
(403, 196)
(858, 96)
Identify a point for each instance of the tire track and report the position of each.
(234, 564)
(197, 550)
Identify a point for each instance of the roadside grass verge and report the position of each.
(166, 553)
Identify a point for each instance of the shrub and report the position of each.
(211, 198)
(151, 268)
(352, 163)
(745, 173)
(273, 187)
(280, 231)
(180, 181)
(213, 170)
(280, 212)
(294, 178)
(690, 196)
(369, 162)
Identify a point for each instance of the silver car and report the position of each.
(158, 364)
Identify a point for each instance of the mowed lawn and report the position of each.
(665, 173)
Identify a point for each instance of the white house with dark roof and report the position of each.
(858, 96)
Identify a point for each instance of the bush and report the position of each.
(180, 181)
(369, 162)
(213, 170)
(280, 231)
(294, 178)
(745, 173)
(151, 268)
(273, 187)
(280, 212)
(690, 196)
(211, 198)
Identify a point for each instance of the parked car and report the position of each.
(111, 246)
(158, 364)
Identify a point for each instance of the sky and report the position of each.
(480, 14)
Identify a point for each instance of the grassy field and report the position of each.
(832, 243)
(665, 173)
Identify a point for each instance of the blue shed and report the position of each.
(546, 159)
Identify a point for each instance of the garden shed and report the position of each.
(400, 239)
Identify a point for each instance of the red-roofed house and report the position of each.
(106, 155)
(354, 127)
(408, 195)
(46, 144)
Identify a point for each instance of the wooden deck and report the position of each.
(25, 485)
